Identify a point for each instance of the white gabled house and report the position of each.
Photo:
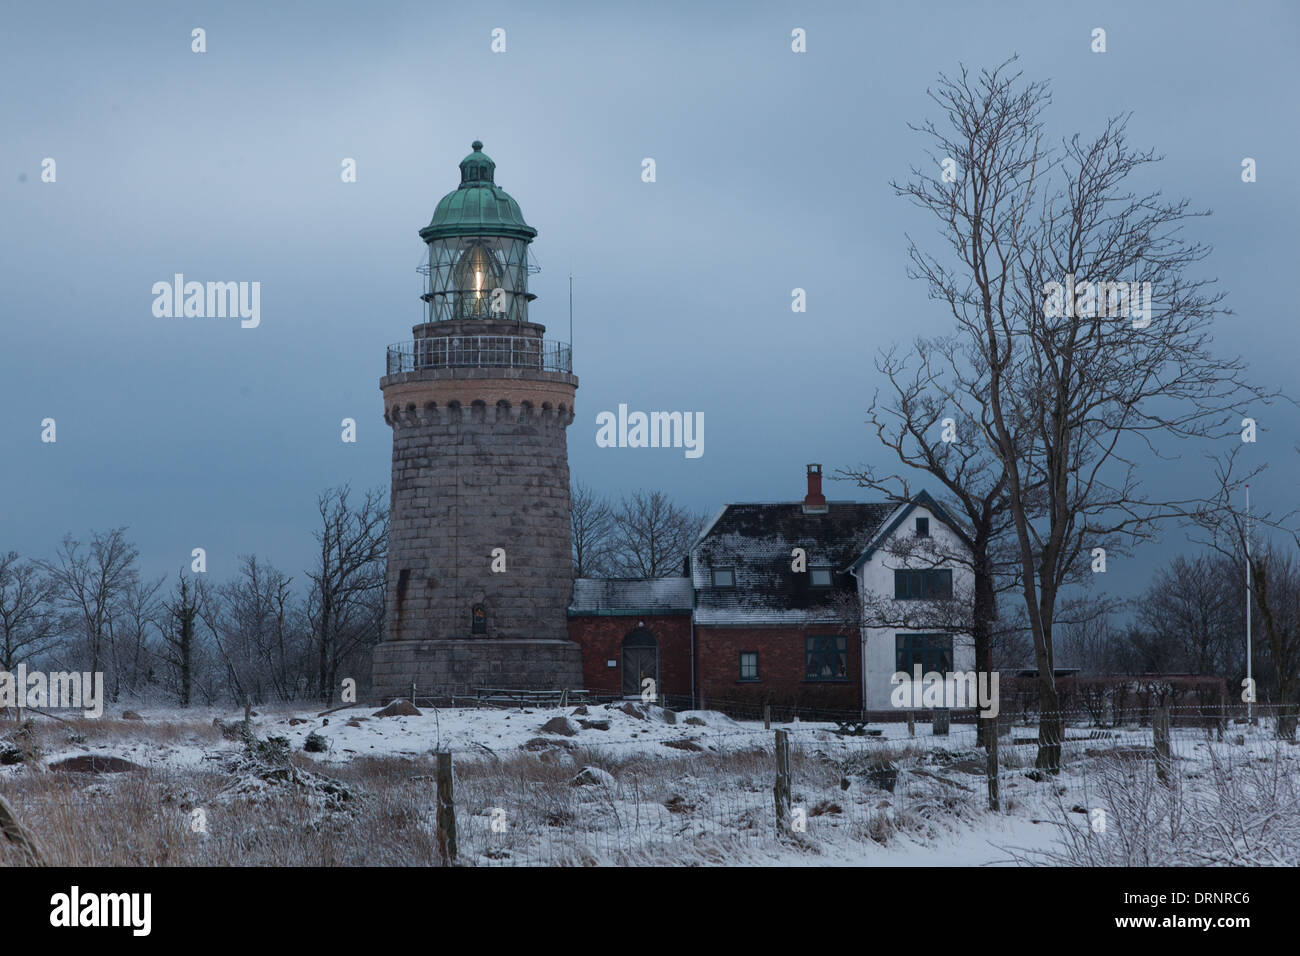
(919, 557)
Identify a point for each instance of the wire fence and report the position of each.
(1123, 795)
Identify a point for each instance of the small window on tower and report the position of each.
(724, 577)
(819, 577)
(923, 527)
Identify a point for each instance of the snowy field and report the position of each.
(631, 784)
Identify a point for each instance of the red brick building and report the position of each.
(768, 614)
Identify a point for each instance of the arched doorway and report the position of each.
(640, 660)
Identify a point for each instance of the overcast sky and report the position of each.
(772, 173)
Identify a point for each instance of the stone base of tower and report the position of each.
(458, 668)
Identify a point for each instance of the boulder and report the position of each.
(315, 743)
(695, 721)
(398, 708)
(594, 724)
(131, 715)
(560, 725)
(592, 777)
(633, 710)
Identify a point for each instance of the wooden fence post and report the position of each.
(781, 788)
(911, 723)
(1160, 734)
(991, 763)
(767, 716)
(446, 811)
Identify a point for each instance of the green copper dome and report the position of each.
(478, 207)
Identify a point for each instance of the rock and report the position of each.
(353, 723)
(560, 725)
(844, 783)
(94, 763)
(825, 807)
(398, 708)
(594, 724)
(633, 710)
(695, 721)
(684, 745)
(670, 716)
(592, 777)
(295, 721)
(677, 804)
(131, 715)
(579, 711)
(315, 743)
(544, 743)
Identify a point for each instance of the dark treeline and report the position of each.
(261, 634)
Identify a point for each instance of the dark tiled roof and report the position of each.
(629, 596)
(757, 540)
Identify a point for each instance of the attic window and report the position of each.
(724, 577)
(923, 527)
(819, 577)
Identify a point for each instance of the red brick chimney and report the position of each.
(814, 502)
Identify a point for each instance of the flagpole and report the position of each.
(1250, 683)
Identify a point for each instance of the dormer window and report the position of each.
(923, 527)
(724, 577)
(819, 577)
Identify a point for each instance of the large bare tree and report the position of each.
(1081, 374)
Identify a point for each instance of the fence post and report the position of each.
(767, 716)
(412, 693)
(446, 811)
(911, 723)
(991, 763)
(939, 718)
(781, 788)
(1160, 734)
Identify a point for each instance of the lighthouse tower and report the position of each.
(479, 566)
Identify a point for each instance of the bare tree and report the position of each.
(263, 634)
(179, 634)
(1274, 576)
(346, 605)
(90, 584)
(931, 421)
(593, 528)
(1071, 392)
(131, 643)
(1195, 605)
(652, 536)
(27, 620)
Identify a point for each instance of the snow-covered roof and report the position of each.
(630, 595)
(757, 541)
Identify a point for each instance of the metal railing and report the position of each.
(480, 351)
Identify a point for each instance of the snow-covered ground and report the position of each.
(696, 786)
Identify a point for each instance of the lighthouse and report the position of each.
(479, 401)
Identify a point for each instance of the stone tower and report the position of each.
(479, 566)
